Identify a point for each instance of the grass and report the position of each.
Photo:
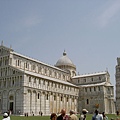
(89, 117)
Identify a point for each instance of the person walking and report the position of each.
(63, 115)
(117, 115)
(72, 115)
(53, 116)
(83, 115)
(5, 116)
(104, 116)
(97, 116)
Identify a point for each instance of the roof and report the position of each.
(98, 84)
(64, 60)
(49, 78)
(88, 75)
(13, 52)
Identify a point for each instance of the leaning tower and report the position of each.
(118, 85)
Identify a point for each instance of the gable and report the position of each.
(4, 50)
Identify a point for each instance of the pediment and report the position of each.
(4, 50)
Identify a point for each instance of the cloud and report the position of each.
(108, 14)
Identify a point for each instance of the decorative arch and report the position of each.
(11, 101)
(73, 73)
(18, 100)
(29, 91)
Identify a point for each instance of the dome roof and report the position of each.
(64, 60)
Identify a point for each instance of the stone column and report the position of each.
(54, 103)
(47, 102)
(51, 102)
(58, 102)
(43, 102)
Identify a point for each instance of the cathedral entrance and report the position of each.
(11, 103)
(11, 106)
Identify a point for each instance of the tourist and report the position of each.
(83, 115)
(53, 116)
(63, 115)
(97, 116)
(41, 113)
(117, 113)
(8, 118)
(104, 116)
(72, 115)
(5, 116)
(27, 114)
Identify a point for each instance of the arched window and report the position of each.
(87, 101)
(61, 98)
(47, 97)
(90, 89)
(39, 81)
(72, 99)
(34, 80)
(38, 95)
(29, 79)
(99, 88)
(94, 88)
(54, 97)
(67, 99)
(13, 82)
(85, 89)
(18, 63)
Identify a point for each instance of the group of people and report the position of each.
(73, 116)
(64, 116)
(99, 116)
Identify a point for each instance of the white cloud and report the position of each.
(106, 16)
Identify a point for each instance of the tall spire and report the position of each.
(2, 43)
(10, 46)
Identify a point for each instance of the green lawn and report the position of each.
(89, 116)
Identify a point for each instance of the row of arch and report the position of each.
(8, 98)
(42, 69)
(33, 101)
(49, 102)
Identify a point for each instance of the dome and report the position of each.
(64, 60)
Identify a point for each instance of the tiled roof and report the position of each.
(97, 84)
(88, 75)
(49, 78)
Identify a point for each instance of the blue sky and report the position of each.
(89, 31)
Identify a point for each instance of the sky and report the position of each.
(88, 30)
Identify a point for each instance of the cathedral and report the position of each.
(30, 86)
